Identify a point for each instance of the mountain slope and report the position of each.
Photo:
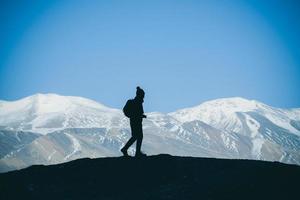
(224, 113)
(45, 113)
(57, 129)
(14, 140)
(155, 177)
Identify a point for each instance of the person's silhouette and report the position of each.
(134, 110)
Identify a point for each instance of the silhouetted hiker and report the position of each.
(133, 109)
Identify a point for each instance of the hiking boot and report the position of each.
(124, 151)
(140, 154)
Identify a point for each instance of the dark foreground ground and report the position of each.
(154, 177)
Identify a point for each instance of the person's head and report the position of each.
(140, 94)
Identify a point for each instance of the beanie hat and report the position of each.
(139, 91)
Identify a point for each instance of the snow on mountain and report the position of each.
(44, 113)
(224, 113)
(50, 129)
(265, 126)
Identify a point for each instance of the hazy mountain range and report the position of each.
(49, 129)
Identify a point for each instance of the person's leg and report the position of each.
(132, 139)
(129, 143)
(139, 137)
(139, 141)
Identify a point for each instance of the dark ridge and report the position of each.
(153, 177)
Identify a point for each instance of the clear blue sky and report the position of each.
(181, 52)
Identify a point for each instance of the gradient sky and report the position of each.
(181, 52)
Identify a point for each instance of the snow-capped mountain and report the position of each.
(49, 129)
(226, 114)
(44, 113)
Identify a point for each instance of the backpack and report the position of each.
(128, 108)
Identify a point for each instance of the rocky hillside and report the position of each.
(154, 177)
